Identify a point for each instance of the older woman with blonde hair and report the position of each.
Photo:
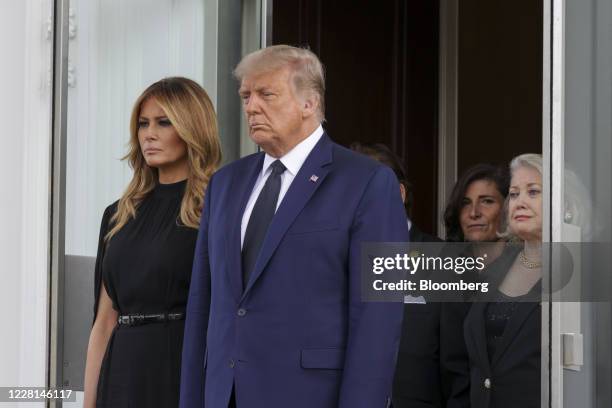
(146, 248)
(503, 333)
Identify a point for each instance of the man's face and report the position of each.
(275, 114)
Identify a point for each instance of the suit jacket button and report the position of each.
(232, 364)
(241, 312)
(487, 383)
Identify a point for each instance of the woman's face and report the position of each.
(481, 211)
(525, 204)
(160, 143)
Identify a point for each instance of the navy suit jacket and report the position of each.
(298, 335)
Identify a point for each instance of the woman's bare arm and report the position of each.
(106, 320)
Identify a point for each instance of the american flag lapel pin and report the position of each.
(314, 178)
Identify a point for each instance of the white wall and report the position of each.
(117, 50)
(12, 42)
(25, 46)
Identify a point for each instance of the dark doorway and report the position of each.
(381, 67)
(499, 101)
(381, 60)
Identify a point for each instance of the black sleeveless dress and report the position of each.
(146, 268)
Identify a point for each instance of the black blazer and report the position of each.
(433, 367)
(417, 377)
(511, 378)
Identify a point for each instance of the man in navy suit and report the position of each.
(275, 317)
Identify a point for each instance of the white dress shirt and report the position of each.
(293, 161)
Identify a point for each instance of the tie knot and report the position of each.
(278, 167)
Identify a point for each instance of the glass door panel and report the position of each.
(581, 204)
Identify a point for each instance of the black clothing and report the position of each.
(497, 314)
(433, 366)
(510, 376)
(232, 402)
(454, 359)
(417, 376)
(146, 269)
(416, 235)
(454, 367)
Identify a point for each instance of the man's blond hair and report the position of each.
(307, 71)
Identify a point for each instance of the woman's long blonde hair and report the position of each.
(192, 114)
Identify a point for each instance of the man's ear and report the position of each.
(403, 193)
(310, 105)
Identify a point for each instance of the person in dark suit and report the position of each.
(432, 367)
(416, 374)
(275, 316)
(503, 334)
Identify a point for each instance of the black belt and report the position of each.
(138, 319)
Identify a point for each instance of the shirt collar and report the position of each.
(295, 157)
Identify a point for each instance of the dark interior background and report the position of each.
(500, 80)
(381, 61)
(381, 65)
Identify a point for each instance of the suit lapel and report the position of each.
(477, 330)
(301, 190)
(242, 185)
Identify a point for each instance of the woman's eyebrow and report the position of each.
(154, 117)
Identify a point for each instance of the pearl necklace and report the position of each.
(527, 263)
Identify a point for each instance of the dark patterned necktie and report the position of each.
(260, 219)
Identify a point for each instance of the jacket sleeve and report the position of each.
(373, 327)
(193, 367)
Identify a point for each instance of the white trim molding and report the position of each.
(447, 105)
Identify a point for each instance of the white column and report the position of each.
(24, 210)
(35, 169)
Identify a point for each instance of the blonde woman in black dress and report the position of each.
(146, 249)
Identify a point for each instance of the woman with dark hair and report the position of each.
(433, 369)
(473, 212)
(146, 249)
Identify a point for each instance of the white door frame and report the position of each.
(552, 150)
(554, 198)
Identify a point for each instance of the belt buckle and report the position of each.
(131, 320)
(137, 319)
